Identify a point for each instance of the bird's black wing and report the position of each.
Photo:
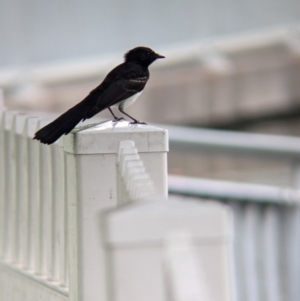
(117, 91)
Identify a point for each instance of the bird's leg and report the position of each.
(134, 120)
(115, 117)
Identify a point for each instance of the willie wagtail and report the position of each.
(120, 88)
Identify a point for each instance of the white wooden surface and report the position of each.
(31, 240)
(15, 286)
(134, 182)
(91, 158)
(139, 265)
(50, 197)
(186, 275)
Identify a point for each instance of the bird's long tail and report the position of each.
(64, 123)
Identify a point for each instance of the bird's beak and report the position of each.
(158, 56)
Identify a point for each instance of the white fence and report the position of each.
(62, 237)
(266, 217)
(267, 234)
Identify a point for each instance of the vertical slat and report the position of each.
(65, 261)
(46, 211)
(239, 232)
(24, 208)
(73, 222)
(21, 191)
(271, 268)
(292, 239)
(2, 184)
(33, 197)
(59, 214)
(10, 163)
(251, 252)
(290, 245)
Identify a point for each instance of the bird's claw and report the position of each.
(118, 119)
(137, 122)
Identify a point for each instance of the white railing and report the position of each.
(57, 237)
(44, 219)
(266, 217)
(33, 218)
(267, 234)
(62, 237)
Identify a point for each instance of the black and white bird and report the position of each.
(120, 88)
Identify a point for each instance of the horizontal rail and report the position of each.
(243, 143)
(233, 191)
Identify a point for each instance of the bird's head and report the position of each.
(142, 55)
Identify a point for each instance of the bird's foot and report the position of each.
(137, 122)
(118, 119)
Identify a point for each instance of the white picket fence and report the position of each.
(87, 219)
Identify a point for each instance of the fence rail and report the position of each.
(266, 218)
(232, 191)
(51, 198)
(61, 233)
(242, 143)
(64, 237)
(33, 208)
(267, 234)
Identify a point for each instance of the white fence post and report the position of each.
(186, 277)
(91, 172)
(140, 267)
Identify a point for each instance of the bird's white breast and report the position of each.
(128, 101)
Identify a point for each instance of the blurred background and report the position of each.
(230, 65)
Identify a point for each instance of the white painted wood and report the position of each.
(51, 197)
(59, 219)
(134, 181)
(253, 251)
(91, 158)
(22, 190)
(187, 281)
(27, 240)
(290, 249)
(18, 286)
(10, 195)
(46, 211)
(34, 197)
(136, 234)
(271, 286)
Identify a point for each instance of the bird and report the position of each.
(119, 89)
